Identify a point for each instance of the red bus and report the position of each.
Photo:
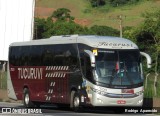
(76, 71)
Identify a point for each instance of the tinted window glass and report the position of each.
(119, 67)
(86, 66)
(45, 55)
(35, 55)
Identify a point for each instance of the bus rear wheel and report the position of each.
(26, 98)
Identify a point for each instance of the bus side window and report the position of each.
(48, 58)
(14, 56)
(18, 55)
(71, 55)
(11, 56)
(25, 57)
(34, 57)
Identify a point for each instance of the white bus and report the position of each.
(77, 71)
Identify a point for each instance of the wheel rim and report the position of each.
(26, 99)
(76, 101)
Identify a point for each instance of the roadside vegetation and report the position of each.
(149, 88)
(106, 15)
(62, 23)
(3, 80)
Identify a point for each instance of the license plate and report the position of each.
(121, 102)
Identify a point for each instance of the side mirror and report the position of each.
(92, 57)
(149, 60)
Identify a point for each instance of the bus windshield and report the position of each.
(118, 67)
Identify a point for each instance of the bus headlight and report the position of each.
(139, 93)
(140, 101)
(100, 101)
(99, 92)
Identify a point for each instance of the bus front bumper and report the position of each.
(99, 100)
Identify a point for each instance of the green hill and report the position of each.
(105, 15)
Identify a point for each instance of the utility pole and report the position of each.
(120, 18)
(120, 24)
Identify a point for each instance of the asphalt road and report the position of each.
(18, 109)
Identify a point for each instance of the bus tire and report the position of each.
(36, 104)
(26, 98)
(75, 101)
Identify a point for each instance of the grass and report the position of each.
(149, 91)
(76, 6)
(106, 15)
(132, 14)
(3, 81)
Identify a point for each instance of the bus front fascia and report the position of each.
(100, 100)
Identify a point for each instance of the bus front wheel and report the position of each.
(26, 98)
(75, 101)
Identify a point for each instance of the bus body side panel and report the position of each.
(17, 83)
(10, 86)
(47, 76)
(29, 77)
(57, 84)
(45, 84)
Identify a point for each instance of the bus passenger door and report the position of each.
(86, 66)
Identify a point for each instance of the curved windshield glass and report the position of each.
(118, 67)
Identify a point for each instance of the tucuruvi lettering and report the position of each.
(30, 73)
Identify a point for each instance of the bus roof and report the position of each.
(90, 40)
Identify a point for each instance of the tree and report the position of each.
(41, 26)
(65, 28)
(104, 30)
(130, 33)
(122, 2)
(64, 25)
(147, 36)
(96, 3)
(151, 26)
(62, 14)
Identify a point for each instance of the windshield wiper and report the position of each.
(128, 77)
(115, 75)
(112, 77)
